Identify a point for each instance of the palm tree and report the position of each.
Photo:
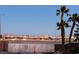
(63, 10)
(76, 34)
(74, 18)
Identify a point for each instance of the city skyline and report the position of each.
(32, 19)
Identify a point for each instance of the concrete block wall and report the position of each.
(30, 47)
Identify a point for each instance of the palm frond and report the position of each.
(75, 31)
(57, 14)
(68, 14)
(70, 19)
(67, 25)
(76, 24)
(58, 24)
(58, 28)
(58, 10)
(66, 11)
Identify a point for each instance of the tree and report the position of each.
(63, 10)
(76, 34)
(74, 18)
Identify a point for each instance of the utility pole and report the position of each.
(0, 27)
(0, 24)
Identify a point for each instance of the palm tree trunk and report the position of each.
(62, 29)
(63, 34)
(71, 32)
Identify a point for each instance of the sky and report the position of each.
(32, 19)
